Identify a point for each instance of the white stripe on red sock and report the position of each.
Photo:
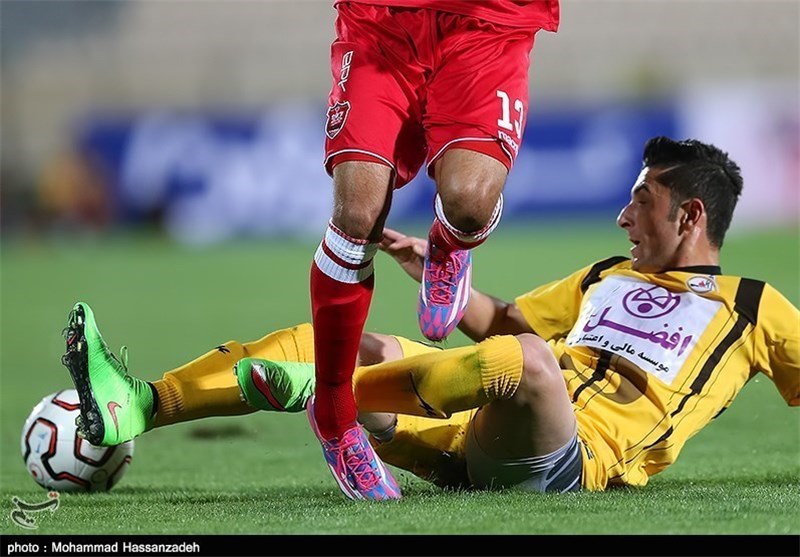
(472, 237)
(343, 258)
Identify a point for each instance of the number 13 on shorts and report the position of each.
(505, 122)
(511, 123)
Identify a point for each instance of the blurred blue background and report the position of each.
(205, 119)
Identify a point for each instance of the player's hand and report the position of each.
(408, 251)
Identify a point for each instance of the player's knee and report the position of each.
(375, 348)
(357, 221)
(540, 369)
(469, 200)
(362, 197)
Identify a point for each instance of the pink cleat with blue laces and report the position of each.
(444, 291)
(357, 469)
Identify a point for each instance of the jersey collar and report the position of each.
(700, 269)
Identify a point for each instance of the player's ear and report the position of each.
(692, 212)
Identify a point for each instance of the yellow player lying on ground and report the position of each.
(595, 380)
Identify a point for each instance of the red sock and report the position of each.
(342, 282)
(444, 239)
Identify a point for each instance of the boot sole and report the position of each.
(76, 360)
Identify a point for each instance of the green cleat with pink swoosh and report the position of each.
(114, 406)
(275, 386)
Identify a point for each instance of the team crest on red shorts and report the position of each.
(337, 116)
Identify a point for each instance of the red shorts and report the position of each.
(410, 83)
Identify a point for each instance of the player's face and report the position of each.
(646, 219)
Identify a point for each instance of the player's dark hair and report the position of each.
(695, 169)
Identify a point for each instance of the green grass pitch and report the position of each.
(264, 473)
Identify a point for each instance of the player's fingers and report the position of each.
(391, 234)
(384, 244)
(395, 247)
(402, 244)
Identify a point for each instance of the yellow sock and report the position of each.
(207, 387)
(440, 383)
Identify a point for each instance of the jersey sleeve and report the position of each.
(778, 345)
(552, 309)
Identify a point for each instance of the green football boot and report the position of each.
(114, 407)
(275, 386)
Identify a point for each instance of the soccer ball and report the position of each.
(57, 459)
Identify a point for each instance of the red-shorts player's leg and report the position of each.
(472, 182)
(341, 291)
(476, 108)
(342, 282)
(374, 142)
(368, 115)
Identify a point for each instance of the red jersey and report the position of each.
(541, 14)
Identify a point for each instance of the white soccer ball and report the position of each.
(57, 459)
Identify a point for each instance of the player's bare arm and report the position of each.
(488, 316)
(484, 316)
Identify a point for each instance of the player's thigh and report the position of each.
(480, 91)
(529, 441)
(373, 113)
(538, 419)
(560, 470)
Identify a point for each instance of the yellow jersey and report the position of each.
(651, 359)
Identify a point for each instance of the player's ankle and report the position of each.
(153, 390)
